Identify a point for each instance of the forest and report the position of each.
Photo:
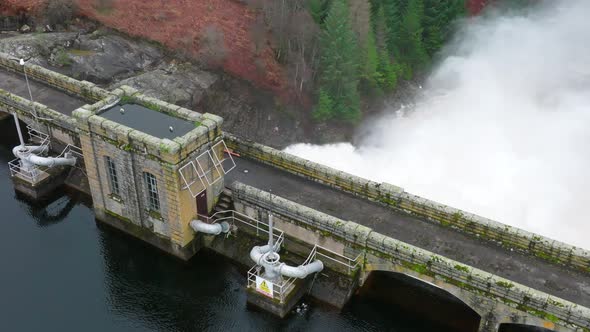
(341, 52)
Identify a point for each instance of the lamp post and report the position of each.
(270, 225)
(22, 63)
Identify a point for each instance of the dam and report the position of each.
(186, 185)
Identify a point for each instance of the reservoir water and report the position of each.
(61, 271)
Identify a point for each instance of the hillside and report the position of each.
(215, 31)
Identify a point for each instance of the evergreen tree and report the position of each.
(339, 63)
(387, 73)
(438, 21)
(370, 71)
(318, 9)
(392, 18)
(325, 107)
(411, 47)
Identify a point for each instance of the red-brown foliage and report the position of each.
(174, 22)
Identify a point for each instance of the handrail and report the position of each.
(279, 289)
(249, 221)
(350, 263)
(43, 139)
(31, 176)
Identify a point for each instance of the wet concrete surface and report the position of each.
(530, 271)
(53, 98)
(148, 121)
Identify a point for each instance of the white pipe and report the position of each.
(258, 254)
(213, 229)
(270, 230)
(27, 155)
(20, 134)
(50, 161)
(300, 271)
(109, 105)
(17, 151)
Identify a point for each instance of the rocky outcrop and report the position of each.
(109, 59)
(97, 57)
(102, 58)
(180, 84)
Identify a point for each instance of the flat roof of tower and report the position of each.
(148, 121)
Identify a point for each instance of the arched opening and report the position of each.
(399, 296)
(521, 328)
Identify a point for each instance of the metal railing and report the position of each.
(281, 289)
(38, 137)
(72, 149)
(231, 216)
(32, 176)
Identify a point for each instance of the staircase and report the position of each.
(225, 201)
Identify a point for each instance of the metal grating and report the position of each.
(207, 168)
(226, 164)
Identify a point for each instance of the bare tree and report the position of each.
(360, 17)
(259, 35)
(212, 46)
(60, 12)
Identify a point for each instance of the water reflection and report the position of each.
(51, 210)
(61, 271)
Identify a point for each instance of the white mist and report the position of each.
(503, 128)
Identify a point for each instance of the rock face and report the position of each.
(181, 84)
(102, 58)
(112, 60)
(94, 57)
(36, 47)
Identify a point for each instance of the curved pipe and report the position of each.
(50, 161)
(213, 229)
(300, 271)
(257, 253)
(28, 155)
(17, 151)
(109, 105)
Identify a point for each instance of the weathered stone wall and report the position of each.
(84, 89)
(380, 252)
(24, 108)
(395, 197)
(134, 153)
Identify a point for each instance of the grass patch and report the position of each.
(78, 52)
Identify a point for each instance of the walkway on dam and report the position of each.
(527, 270)
(43, 94)
(530, 271)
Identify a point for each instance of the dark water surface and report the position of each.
(63, 272)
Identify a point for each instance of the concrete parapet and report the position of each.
(395, 197)
(385, 253)
(84, 89)
(26, 109)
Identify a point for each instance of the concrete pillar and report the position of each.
(489, 323)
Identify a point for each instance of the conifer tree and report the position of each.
(318, 9)
(387, 73)
(438, 21)
(325, 107)
(370, 71)
(411, 45)
(392, 18)
(339, 63)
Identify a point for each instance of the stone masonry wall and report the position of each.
(395, 197)
(134, 153)
(84, 89)
(349, 238)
